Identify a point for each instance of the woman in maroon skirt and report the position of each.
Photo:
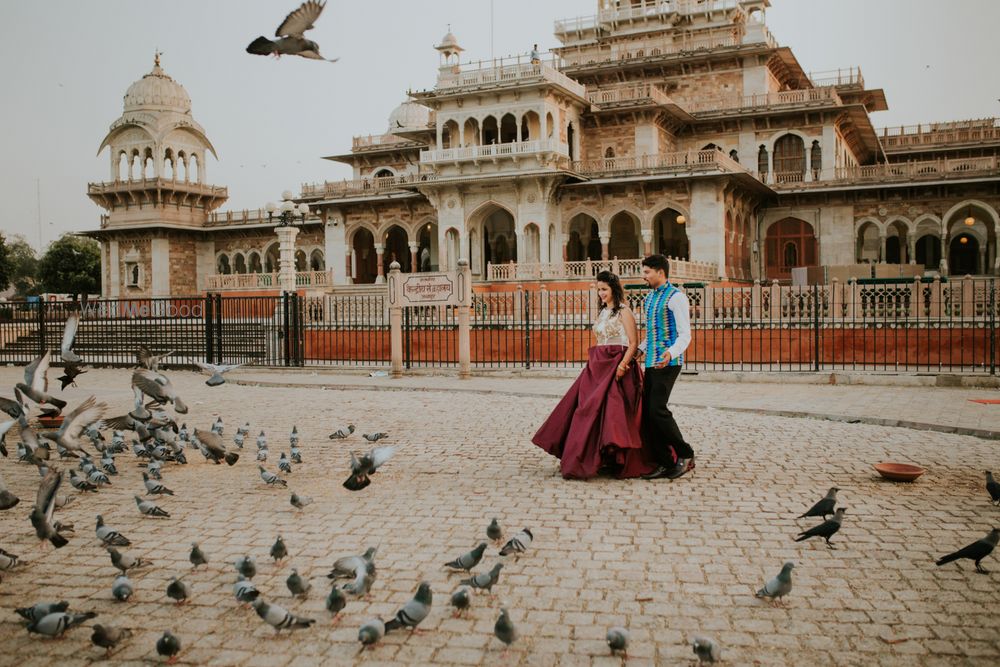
(595, 427)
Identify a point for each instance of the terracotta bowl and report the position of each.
(50, 422)
(899, 472)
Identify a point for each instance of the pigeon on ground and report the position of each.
(299, 502)
(246, 566)
(375, 437)
(706, 649)
(291, 33)
(780, 586)
(109, 536)
(154, 488)
(262, 440)
(55, 624)
(518, 544)
(158, 387)
(213, 448)
(363, 580)
(414, 611)
(348, 566)
(239, 439)
(270, 478)
(278, 550)
(617, 639)
(108, 464)
(279, 618)
(363, 468)
(504, 629)
(216, 371)
(7, 560)
(493, 531)
(217, 426)
(150, 509)
(7, 499)
(824, 507)
(168, 646)
(79, 483)
(245, 591)
(371, 633)
(84, 415)
(41, 514)
(148, 360)
(992, 488)
(122, 588)
(126, 562)
(826, 530)
(153, 469)
(342, 433)
(262, 454)
(293, 437)
(295, 454)
(335, 603)
(197, 556)
(461, 599)
(484, 580)
(297, 585)
(976, 551)
(283, 464)
(36, 387)
(108, 637)
(178, 590)
(41, 610)
(71, 371)
(469, 560)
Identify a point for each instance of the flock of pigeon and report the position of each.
(159, 441)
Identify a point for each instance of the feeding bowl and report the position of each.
(899, 472)
(50, 422)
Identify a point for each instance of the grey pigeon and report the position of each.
(154, 488)
(617, 639)
(706, 649)
(976, 551)
(363, 468)
(213, 448)
(69, 335)
(84, 415)
(349, 566)
(493, 531)
(291, 33)
(108, 637)
(168, 646)
(280, 619)
(246, 567)
(197, 556)
(826, 530)
(335, 603)
(293, 437)
(297, 586)
(42, 513)
(780, 586)
(262, 454)
(484, 580)
(158, 387)
(824, 507)
(270, 478)
(150, 509)
(261, 440)
(504, 629)
(414, 611)
(217, 426)
(371, 632)
(342, 433)
(518, 544)
(122, 588)
(299, 502)
(992, 488)
(7, 499)
(239, 439)
(245, 591)
(148, 360)
(7, 560)
(363, 581)
(110, 536)
(79, 483)
(36, 387)
(178, 590)
(278, 550)
(216, 371)
(55, 624)
(295, 454)
(469, 560)
(283, 464)
(41, 610)
(461, 599)
(375, 437)
(126, 562)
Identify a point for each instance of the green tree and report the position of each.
(23, 266)
(4, 264)
(71, 265)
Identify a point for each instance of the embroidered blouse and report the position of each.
(609, 328)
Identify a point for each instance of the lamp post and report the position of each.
(287, 231)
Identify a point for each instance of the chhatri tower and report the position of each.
(673, 126)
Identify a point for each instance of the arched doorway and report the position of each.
(272, 259)
(499, 238)
(397, 249)
(790, 243)
(365, 259)
(317, 262)
(624, 243)
(240, 264)
(301, 262)
(928, 251)
(789, 159)
(253, 263)
(427, 250)
(222, 264)
(896, 243)
(584, 240)
(670, 234)
(963, 256)
(972, 240)
(868, 246)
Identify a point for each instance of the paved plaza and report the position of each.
(667, 560)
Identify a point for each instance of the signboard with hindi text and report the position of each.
(429, 289)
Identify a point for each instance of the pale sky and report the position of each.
(67, 64)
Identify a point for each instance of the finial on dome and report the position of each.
(156, 58)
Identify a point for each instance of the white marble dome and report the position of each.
(157, 91)
(409, 115)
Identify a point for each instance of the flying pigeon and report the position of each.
(824, 507)
(362, 468)
(69, 334)
(780, 586)
(36, 387)
(291, 31)
(41, 514)
(7, 499)
(216, 371)
(280, 619)
(414, 611)
(71, 371)
(84, 415)
(148, 360)
(158, 387)
(976, 551)
(212, 447)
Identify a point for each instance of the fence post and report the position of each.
(935, 313)
(916, 298)
(286, 332)
(219, 351)
(42, 305)
(968, 298)
(464, 319)
(852, 297)
(395, 322)
(993, 327)
(207, 320)
(755, 302)
(298, 303)
(816, 325)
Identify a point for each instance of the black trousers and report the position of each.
(660, 430)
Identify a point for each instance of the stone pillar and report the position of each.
(286, 257)
(911, 248)
(809, 171)
(105, 276)
(395, 321)
(770, 165)
(379, 254)
(349, 270)
(647, 242)
(605, 246)
(982, 260)
(160, 266)
(114, 287)
(464, 319)
(335, 250)
(881, 248)
(943, 267)
(414, 250)
(544, 256)
(204, 264)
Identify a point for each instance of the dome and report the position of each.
(158, 91)
(449, 43)
(409, 115)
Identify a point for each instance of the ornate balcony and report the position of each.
(684, 163)
(494, 152)
(645, 10)
(825, 96)
(156, 191)
(359, 188)
(641, 95)
(939, 135)
(895, 172)
(378, 141)
(576, 57)
(680, 270)
(237, 282)
(490, 74)
(838, 77)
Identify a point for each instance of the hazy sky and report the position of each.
(67, 64)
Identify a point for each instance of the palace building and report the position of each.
(673, 126)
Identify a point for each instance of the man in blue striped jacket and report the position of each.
(668, 334)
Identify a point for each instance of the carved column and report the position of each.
(414, 249)
(605, 246)
(647, 242)
(379, 252)
(286, 258)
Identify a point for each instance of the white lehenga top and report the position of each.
(609, 328)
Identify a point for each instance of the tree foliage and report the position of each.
(23, 266)
(71, 265)
(5, 268)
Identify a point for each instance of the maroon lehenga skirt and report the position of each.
(597, 423)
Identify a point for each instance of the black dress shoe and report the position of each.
(660, 473)
(683, 467)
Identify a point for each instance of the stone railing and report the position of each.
(492, 151)
(157, 184)
(928, 170)
(235, 282)
(680, 270)
(357, 188)
(628, 95)
(824, 96)
(936, 134)
(646, 9)
(376, 140)
(683, 162)
(493, 73)
(850, 76)
(251, 217)
(644, 48)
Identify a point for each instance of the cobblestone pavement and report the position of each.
(666, 560)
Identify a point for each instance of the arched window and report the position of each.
(301, 264)
(383, 173)
(816, 158)
(254, 264)
(791, 255)
(222, 264)
(182, 164)
(550, 125)
(508, 129)
(789, 159)
(762, 162)
(124, 170)
(148, 170)
(168, 165)
(194, 168)
(240, 264)
(316, 261)
(450, 137)
(470, 132)
(491, 131)
(609, 153)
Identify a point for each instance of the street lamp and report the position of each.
(286, 210)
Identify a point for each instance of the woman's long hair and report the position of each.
(617, 291)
